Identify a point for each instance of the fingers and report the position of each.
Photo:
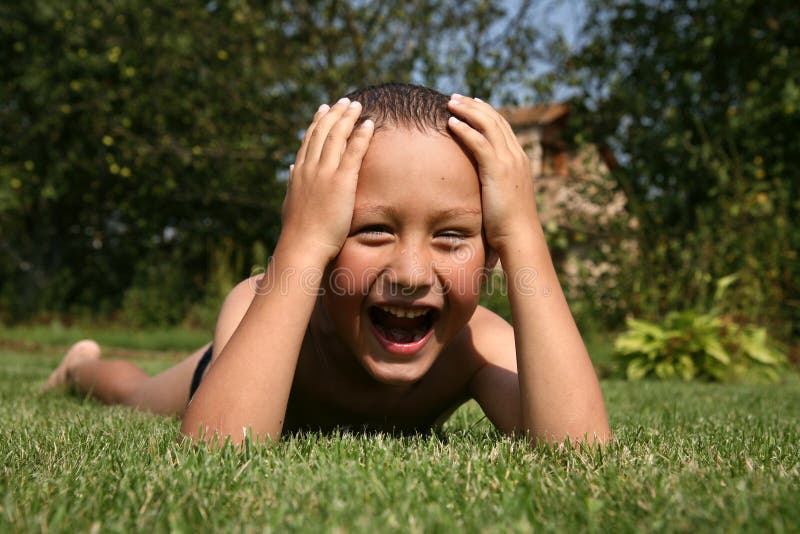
(485, 120)
(475, 141)
(497, 119)
(481, 117)
(301, 154)
(321, 137)
(337, 138)
(356, 148)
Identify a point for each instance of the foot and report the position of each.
(80, 352)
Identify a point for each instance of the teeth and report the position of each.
(403, 312)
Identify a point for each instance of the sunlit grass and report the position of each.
(686, 457)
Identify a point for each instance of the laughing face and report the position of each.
(407, 279)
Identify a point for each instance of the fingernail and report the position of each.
(367, 124)
(323, 107)
(343, 100)
(477, 99)
(291, 167)
(355, 104)
(453, 120)
(456, 96)
(453, 101)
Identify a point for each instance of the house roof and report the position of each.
(540, 115)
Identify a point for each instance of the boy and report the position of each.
(398, 201)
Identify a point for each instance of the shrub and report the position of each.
(698, 346)
(160, 294)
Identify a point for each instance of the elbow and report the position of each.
(594, 432)
(217, 437)
(197, 433)
(576, 440)
(591, 432)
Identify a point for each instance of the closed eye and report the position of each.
(374, 229)
(375, 234)
(455, 235)
(451, 240)
(452, 235)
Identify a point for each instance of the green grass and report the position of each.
(163, 339)
(686, 457)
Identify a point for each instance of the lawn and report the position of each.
(686, 457)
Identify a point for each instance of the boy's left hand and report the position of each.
(507, 198)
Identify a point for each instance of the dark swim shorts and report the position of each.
(200, 371)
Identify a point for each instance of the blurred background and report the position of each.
(144, 146)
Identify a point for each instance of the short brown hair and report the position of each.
(402, 105)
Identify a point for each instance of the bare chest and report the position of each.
(321, 399)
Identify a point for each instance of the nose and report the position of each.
(411, 269)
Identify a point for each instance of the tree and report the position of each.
(701, 103)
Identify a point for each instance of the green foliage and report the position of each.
(699, 101)
(135, 130)
(690, 345)
(697, 346)
(160, 293)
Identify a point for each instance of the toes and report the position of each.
(78, 353)
(85, 347)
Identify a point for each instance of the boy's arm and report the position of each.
(247, 389)
(558, 389)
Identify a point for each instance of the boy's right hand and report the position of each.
(320, 199)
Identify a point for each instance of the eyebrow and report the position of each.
(381, 209)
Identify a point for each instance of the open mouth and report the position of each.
(396, 326)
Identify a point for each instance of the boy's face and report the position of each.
(408, 277)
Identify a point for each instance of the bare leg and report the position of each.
(122, 382)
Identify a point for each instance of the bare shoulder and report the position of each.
(495, 384)
(490, 339)
(232, 311)
(244, 291)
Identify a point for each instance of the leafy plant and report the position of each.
(689, 345)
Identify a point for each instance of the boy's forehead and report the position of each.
(412, 151)
(409, 135)
(405, 168)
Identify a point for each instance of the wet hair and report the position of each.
(402, 105)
